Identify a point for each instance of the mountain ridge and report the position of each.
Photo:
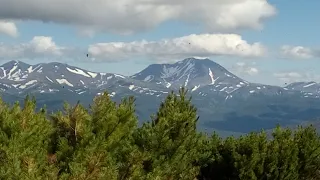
(94, 74)
(201, 76)
(220, 96)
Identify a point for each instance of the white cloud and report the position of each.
(292, 76)
(39, 46)
(297, 52)
(245, 68)
(8, 28)
(203, 45)
(43, 44)
(128, 16)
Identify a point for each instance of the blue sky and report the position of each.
(272, 42)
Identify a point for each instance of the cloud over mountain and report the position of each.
(39, 46)
(129, 16)
(202, 45)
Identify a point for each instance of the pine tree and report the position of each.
(170, 140)
(251, 155)
(96, 144)
(208, 157)
(226, 168)
(282, 156)
(308, 142)
(115, 126)
(25, 138)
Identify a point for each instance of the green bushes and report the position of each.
(104, 142)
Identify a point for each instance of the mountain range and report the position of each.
(225, 102)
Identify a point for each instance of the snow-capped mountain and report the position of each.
(202, 76)
(220, 96)
(19, 77)
(191, 73)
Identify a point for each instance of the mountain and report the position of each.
(191, 73)
(225, 102)
(202, 76)
(310, 88)
(17, 77)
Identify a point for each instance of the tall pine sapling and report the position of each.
(170, 140)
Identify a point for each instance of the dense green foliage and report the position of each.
(104, 142)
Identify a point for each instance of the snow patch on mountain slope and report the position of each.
(28, 84)
(148, 78)
(187, 80)
(81, 92)
(118, 75)
(39, 70)
(131, 87)
(4, 72)
(195, 88)
(12, 70)
(93, 75)
(223, 89)
(179, 71)
(78, 71)
(168, 72)
(211, 76)
(49, 79)
(16, 76)
(109, 77)
(308, 85)
(16, 85)
(30, 69)
(64, 81)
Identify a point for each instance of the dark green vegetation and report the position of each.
(105, 142)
